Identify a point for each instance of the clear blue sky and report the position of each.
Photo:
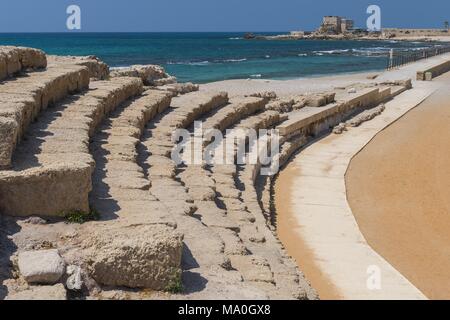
(212, 15)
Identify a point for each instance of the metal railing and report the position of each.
(400, 58)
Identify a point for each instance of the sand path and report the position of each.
(315, 221)
(399, 191)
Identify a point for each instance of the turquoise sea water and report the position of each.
(205, 57)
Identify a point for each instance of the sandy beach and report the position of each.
(290, 87)
(399, 191)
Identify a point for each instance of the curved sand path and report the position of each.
(398, 187)
(316, 223)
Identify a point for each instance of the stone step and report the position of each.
(268, 265)
(264, 120)
(14, 60)
(189, 205)
(98, 70)
(120, 186)
(238, 109)
(314, 121)
(241, 133)
(222, 210)
(48, 177)
(23, 98)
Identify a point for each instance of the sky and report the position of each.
(212, 15)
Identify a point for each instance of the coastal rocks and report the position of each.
(151, 75)
(98, 70)
(180, 88)
(145, 256)
(56, 292)
(43, 266)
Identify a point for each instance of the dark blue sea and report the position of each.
(206, 57)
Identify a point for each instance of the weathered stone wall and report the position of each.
(429, 74)
(151, 75)
(23, 99)
(98, 70)
(16, 59)
(52, 172)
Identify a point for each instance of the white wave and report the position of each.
(236, 38)
(302, 54)
(190, 63)
(235, 60)
(255, 75)
(376, 51)
(336, 51)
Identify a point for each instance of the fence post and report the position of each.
(391, 58)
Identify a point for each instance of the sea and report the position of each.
(208, 57)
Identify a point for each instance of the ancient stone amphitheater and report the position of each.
(77, 141)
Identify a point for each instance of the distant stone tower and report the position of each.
(331, 24)
(346, 25)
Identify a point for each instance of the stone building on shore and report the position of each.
(336, 25)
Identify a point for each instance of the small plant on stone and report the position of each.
(80, 217)
(175, 284)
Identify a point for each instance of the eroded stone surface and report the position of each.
(56, 292)
(43, 266)
(147, 256)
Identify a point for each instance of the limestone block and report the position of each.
(8, 132)
(46, 191)
(150, 74)
(253, 268)
(98, 70)
(43, 266)
(146, 256)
